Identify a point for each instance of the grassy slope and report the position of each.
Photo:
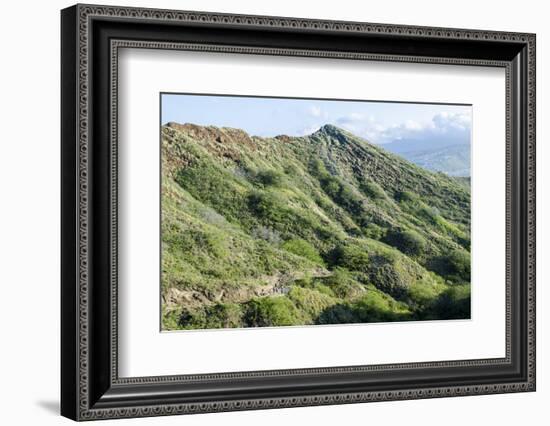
(320, 229)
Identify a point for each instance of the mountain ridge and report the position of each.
(452, 159)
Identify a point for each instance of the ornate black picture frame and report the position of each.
(91, 36)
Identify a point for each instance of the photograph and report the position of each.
(305, 212)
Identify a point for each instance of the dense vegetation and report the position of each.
(322, 229)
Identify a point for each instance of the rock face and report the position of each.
(278, 284)
(305, 230)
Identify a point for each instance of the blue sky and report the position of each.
(378, 122)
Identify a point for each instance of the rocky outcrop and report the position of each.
(277, 284)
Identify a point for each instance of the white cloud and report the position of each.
(317, 112)
(447, 120)
(444, 127)
(412, 125)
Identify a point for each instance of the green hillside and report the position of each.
(321, 229)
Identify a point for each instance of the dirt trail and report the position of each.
(277, 284)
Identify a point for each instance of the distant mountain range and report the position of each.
(452, 158)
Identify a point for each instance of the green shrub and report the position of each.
(272, 311)
(310, 301)
(317, 167)
(378, 307)
(331, 186)
(337, 314)
(212, 217)
(211, 243)
(452, 230)
(170, 320)
(454, 303)
(214, 186)
(266, 205)
(407, 241)
(269, 177)
(324, 289)
(352, 257)
(349, 200)
(430, 213)
(291, 169)
(267, 234)
(406, 197)
(389, 279)
(340, 192)
(220, 315)
(422, 295)
(455, 266)
(374, 231)
(302, 248)
(458, 264)
(372, 307)
(372, 190)
(306, 281)
(342, 284)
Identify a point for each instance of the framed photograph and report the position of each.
(263, 212)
